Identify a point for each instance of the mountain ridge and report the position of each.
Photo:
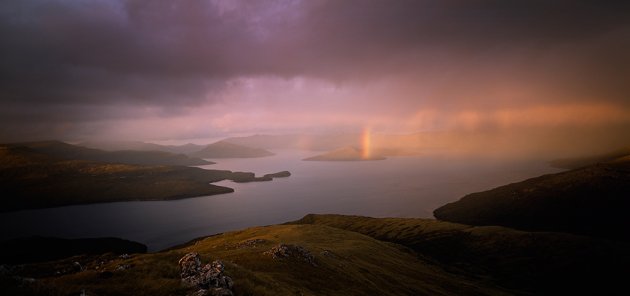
(73, 152)
(225, 149)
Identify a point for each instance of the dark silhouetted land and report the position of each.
(578, 162)
(142, 146)
(223, 149)
(67, 151)
(592, 200)
(245, 177)
(40, 249)
(30, 179)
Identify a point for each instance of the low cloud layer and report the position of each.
(80, 69)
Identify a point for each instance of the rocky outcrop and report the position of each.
(205, 280)
(251, 243)
(244, 177)
(286, 251)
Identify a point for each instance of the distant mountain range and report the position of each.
(152, 157)
(141, 146)
(220, 149)
(224, 149)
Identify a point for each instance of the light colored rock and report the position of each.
(209, 279)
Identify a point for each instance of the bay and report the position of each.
(395, 187)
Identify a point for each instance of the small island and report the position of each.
(246, 177)
(346, 154)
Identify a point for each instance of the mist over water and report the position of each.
(395, 187)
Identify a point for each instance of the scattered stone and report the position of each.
(77, 266)
(286, 251)
(24, 281)
(251, 243)
(124, 256)
(4, 270)
(67, 268)
(220, 292)
(200, 292)
(212, 292)
(208, 279)
(122, 267)
(99, 265)
(328, 253)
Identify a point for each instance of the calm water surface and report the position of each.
(395, 187)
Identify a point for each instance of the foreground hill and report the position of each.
(67, 151)
(29, 179)
(592, 200)
(523, 262)
(321, 260)
(351, 255)
(345, 154)
(223, 149)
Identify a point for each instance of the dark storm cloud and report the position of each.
(567, 49)
(98, 51)
(69, 56)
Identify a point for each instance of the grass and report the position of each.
(591, 200)
(32, 180)
(29, 179)
(366, 256)
(347, 263)
(520, 261)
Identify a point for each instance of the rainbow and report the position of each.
(366, 142)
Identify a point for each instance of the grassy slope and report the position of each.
(353, 264)
(537, 262)
(592, 200)
(370, 256)
(32, 180)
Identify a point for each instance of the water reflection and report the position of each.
(398, 187)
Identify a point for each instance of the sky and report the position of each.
(163, 70)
